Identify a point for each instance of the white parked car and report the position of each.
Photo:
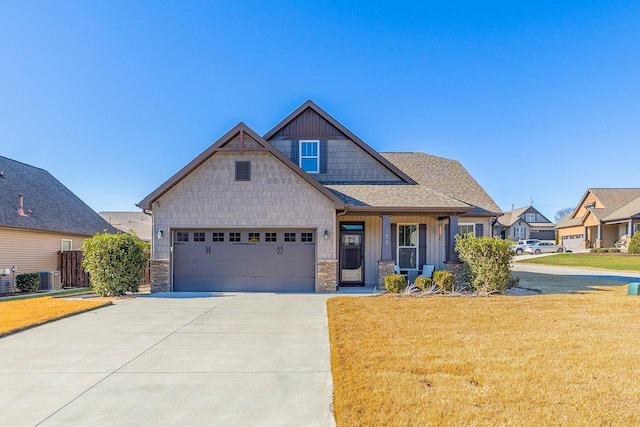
(519, 247)
(543, 248)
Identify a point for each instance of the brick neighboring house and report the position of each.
(305, 207)
(525, 223)
(603, 218)
(40, 217)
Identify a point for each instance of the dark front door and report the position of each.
(352, 254)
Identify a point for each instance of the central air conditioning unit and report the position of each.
(50, 280)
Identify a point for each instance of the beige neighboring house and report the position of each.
(306, 207)
(40, 217)
(604, 218)
(525, 223)
(138, 222)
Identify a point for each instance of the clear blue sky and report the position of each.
(536, 99)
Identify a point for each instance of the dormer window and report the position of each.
(309, 156)
(530, 217)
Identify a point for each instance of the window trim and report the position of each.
(302, 157)
(416, 247)
(473, 227)
(526, 217)
(62, 241)
(515, 232)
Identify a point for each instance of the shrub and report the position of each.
(444, 280)
(487, 262)
(634, 244)
(423, 283)
(513, 281)
(602, 250)
(614, 250)
(115, 262)
(395, 283)
(28, 282)
(593, 250)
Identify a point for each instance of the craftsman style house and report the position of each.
(604, 217)
(525, 223)
(306, 207)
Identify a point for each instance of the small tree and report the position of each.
(395, 283)
(634, 244)
(562, 213)
(487, 262)
(115, 262)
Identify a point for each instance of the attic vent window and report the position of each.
(243, 171)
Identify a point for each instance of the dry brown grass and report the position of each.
(21, 314)
(571, 359)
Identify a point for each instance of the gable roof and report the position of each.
(323, 122)
(137, 221)
(617, 204)
(239, 139)
(510, 217)
(48, 205)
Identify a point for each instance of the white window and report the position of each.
(636, 228)
(530, 217)
(309, 156)
(518, 232)
(464, 229)
(66, 245)
(407, 246)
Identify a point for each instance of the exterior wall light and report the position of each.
(326, 234)
(160, 234)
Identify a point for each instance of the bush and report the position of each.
(602, 250)
(614, 250)
(444, 280)
(115, 262)
(423, 283)
(513, 282)
(634, 244)
(593, 250)
(487, 262)
(395, 283)
(28, 282)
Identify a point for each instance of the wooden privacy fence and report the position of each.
(73, 275)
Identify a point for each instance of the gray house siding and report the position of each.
(346, 162)
(276, 197)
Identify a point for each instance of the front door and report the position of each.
(352, 253)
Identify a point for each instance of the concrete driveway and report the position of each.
(225, 360)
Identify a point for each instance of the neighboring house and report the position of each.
(525, 223)
(306, 207)
(138, 222)
(40, 217)
(603, 218)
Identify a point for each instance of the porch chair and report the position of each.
(396, 270)
(427, 270)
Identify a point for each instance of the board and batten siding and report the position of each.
(435, 238)
(33, 251)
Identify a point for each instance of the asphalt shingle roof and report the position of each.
(48, 205)
(441, 183)
(613, 200)
(139, 222)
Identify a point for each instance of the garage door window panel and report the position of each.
(254, 237)
(270, 237)
(289, 237)
(198, 237)
(234, 237)
(182, 236)
(218, 237)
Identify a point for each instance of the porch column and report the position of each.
(386, 264)
(452, 254)
(585, 242)
(630, 233)
(386, 238)
(599, 231)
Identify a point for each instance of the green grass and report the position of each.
(622, 263)
(54, 294)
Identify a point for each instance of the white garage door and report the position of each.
(244, 260)
(573, 243)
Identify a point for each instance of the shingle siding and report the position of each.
(346, 162)
(275, 197)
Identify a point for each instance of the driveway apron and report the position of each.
(174, 359)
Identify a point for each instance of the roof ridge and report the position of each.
(25, 164)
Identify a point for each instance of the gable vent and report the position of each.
(243, 171)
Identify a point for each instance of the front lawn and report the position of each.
(18, 314)
(624, 263)
(569, 359)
